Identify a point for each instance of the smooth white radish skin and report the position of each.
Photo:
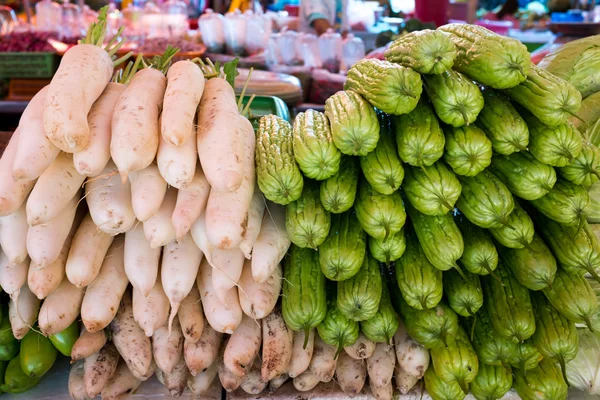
(185, 84)
(23, 311)
(176, 380)
(177, 164)
(351, 374)
(109, 201)
(306, 381)
(12, 194)
(224, 319)
(93, 158)
(405, 381)
(277, 345)
(201, 382)
(412, 356)
(148, 190)
(87, 344)
(12, 277)
(134, 140)
(384, 392)
(133, 345)
(255, 218)
(76, 384)
(202, 354)
(82, 75)
(151, 312)
(159, 229)
(167, 348)
(121, 384)
(199, 235)
(191, 201)
(13, 236)
(243, 346)
(88, 249)
(380, 365)
(227, 269)
(60, 308)
(191, 317)
(361, 349)
(323, 361)
(220, 142)
(99, 368)
(271, 244)
(251, 383)
(258, 299)
(277, 382)
(53, 190)
(141, 260)
(104, 294)
(180, 263)
(35, 152)
(229, 380)
(301, 355)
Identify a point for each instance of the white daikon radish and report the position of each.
(243, 346)
(255, 218)
(104, 294)
(53, 190)
(141, 260)
(177, 164)
(323, 361)
(251, 383)
(12, 277)
(23, 312)
(380, 365)
(277, 345)
(91, 160)
(12, 194)
(122, 384)
(405, 381)
(278, 381)
(76, 384)
(180, 263)
(13, 235)
(176, 380)
(35, 151)
(227, 269)
(159, 229)
(258, 299)
(87, 344)
(229, 380)
(148, 190)
(302, 352)
(306, 381)
(133, 345)
(202, 381)
(191, 317)
(202, 354)
(361, 349)
(272, 243)
(199, 234)
(224, 319)
(185, 84)
(99, 368)
(191, 201)
(412, 356)
(151, 312)
(60, 308)
(109, 201)
(167, 348)
(384, 392)
(351, 374)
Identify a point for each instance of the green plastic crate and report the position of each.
(28, 65)
(265, 105)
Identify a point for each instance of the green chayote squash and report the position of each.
(390, 87)
(464, 295)
(306, 221)
(518, 232)
(468, 151)
(358, 297)
(389, 250)
(543, 382)
(527, 356)
(491, 347)
(566, 203)
(426, 51)
(336, 329)
(380, 215)
(491, 382)
(441, 390)
(585, 168)
(339, 192)
(480, 255)
(382, 326)
(431, 190)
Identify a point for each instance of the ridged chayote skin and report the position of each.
(306, 221)
(426, 51)
(468, 151)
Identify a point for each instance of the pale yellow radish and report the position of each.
(411, 355)
(277, 345)
(109, 201)
(177, 164)
(151, 312)
(185, 84)
(13, 235)
(12, 194)
(202, 381)
(60, 308)
(306, 381)
(323, 361)
(99, 368)
(35, 151)
(104, 294)
(122, 384)
(258, 299)
(243, 346)
(88, 249)
(382, 392)
(76, 385)
(23, 312)
(191, 202)
(302, 352)
(53, 190)
(278, 381)
(404, 381)
(202, 354)
(167, 348)
(141, 261)
(191, 317)
(229, 380)
(199, 235)
(148, 190)
(227, 269)
(351, 374)
(255, 218)
(271, 244)
(361, 349)
(87, 344)
(380, 365)
(176, 380)
(159, 229)
(251, 383)
(12, 277)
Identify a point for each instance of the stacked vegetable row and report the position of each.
(504, 154)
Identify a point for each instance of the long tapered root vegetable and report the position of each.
(323, 361)
(227, 270)
(229, 380)
(23, 311)
(87, 344)
(151, 312)
(301, 353)
(99, 368)
(148, 190)
(380, 365)
(121, 384)
(191, 201)
(201, 382)
(35, 151)
(167, 347)
(159, 229)
(177, 164)
(76, 385)
(351, 374)
(243, 346)
(13, 236)
(277, 345)
(202, 354)
(91, 160)
(141, 260)
(405, 381)
(361, 349)
(258, 299)
(412, 356)
(277, 382)
(53, 190)
(103, 295)
(185, 84)
(179, 268)
(176, 380)
(12, 277)
(222, 318)
(251, 383)
(109, 201)
(133, 345)
(12, 194)
(306, 381)
(198, 231)
(191, 317)
(255, 218)
(384, 392)
(61, 308)
(271, 244)
(88, 249)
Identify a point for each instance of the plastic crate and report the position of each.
(28, 65)
(264, 105)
